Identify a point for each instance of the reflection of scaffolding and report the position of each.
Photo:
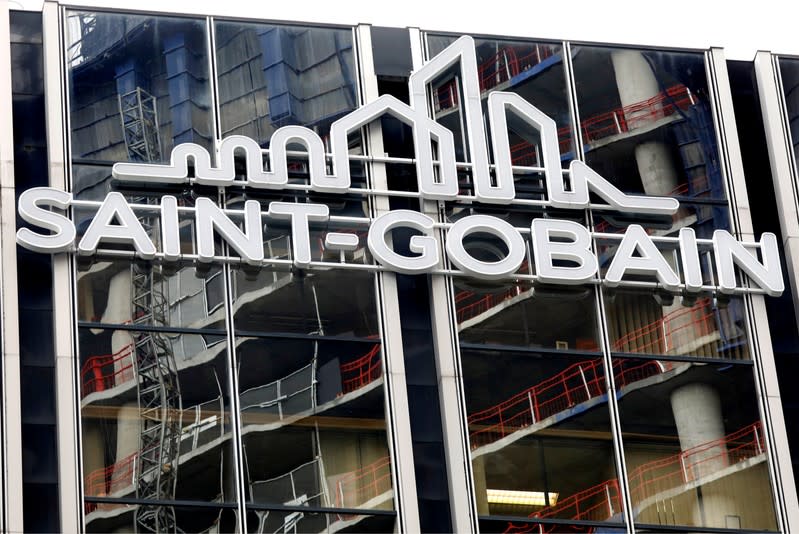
(138, 112)
(81, 24)
(159, 405)
(656, 478)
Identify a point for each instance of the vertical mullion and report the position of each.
(757, 327)
(11, 511)
(600, 307)
(233, 378)
(64, 311)
(452, 400)
(396, 391)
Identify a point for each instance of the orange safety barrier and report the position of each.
(483, 304)
(358, 373)
(663, 335)
(109, 480)
(363, 484)
(100, 373)
(602, 501)
(617, 121)
(497, 69)
(691, 464)
(576, 384)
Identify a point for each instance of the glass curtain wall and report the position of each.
(229, 390)
(534, 358)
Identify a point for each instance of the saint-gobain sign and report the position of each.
(560, 251)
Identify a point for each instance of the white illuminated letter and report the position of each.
(249, 243)
(649, 262)
(487, 225)
(689, 255)
(424, 245)
(31, 208)
(729, 253)
(300, 216)
(128, 230)
(170, 228)
(577, 249)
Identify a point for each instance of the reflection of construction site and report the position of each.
(319, 401)
(158, 397)
(536, 385)
(689, 461)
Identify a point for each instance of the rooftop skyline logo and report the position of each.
(562, 250)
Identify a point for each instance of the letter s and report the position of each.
(31, 207)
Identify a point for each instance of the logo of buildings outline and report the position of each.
(425, 129)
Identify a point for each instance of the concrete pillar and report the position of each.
(480, 486)
(128, 434)
(636, 83)
(659, 177)
(119, 310)
(698, 415)
(93, 455)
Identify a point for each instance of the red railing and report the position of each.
(100, 373)
(359, 486)
(108, 480)
(471, 309)
(628, 118)
(602, 501)
(692, 464)
(574, 385)
(497, 69)
(671, 330)
(358, 373)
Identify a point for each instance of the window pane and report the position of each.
(518, 314)
(303, 521)
(694, 446)
(138, 85)
(789, 72)
(155, 416)
(313, 423)
(330, 303)
(533, 70)
(122, 292)
(105, 517)
(646, 121)
(642, 323)
(540, 436)
(272, 76)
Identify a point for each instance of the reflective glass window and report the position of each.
(641, 322)
(533, 70)
(272, 76)
(540, 437)
(138, 85)
(156, 424)
(694, 446)
(646, 121)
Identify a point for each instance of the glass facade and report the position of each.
(213, 385)
(287, 395)
(540, 362)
